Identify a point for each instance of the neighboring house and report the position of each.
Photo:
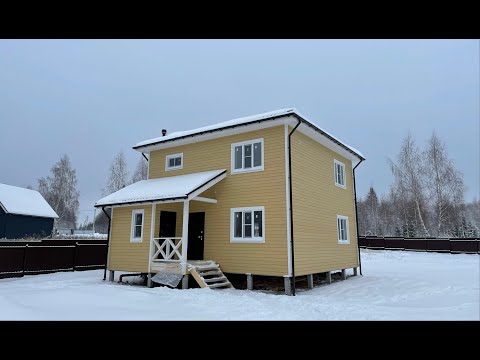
(270, 194)
(24, 213)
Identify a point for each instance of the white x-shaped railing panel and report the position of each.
(167, 248)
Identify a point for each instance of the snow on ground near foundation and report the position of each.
(396, 285)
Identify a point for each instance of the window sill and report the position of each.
(174, 168)
(136, 240)
(340, 186)
(247, 241)
(233, 172)
(344, 242)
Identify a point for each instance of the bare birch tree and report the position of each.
(117, 179)
(445, 186)
(60, 191)
(409, 184)
(141, 171)
(117, 175)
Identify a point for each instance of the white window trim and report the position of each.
(252, 169)
(335, 162)
(132, 226)
(347, 230)
(168, 157)
(255, 240)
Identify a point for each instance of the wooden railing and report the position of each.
(167, 249)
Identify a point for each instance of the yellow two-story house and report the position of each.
(271, 194)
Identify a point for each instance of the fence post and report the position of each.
(24, 259)
(74, 255)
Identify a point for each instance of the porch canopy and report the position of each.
(167, 189)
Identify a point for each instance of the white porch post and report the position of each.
(186, 209)
(152, 235)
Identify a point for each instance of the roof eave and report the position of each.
(36, 216)
(139, 202)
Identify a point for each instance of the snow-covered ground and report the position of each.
(396, 285)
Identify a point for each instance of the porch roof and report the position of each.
(180, 187)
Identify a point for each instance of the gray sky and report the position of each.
(92, 98)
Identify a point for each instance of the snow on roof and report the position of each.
(20, 201)
(165, 188)
(221, 125)
(240, 121)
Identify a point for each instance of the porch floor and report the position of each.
(174, 267)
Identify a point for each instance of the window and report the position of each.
(174, 162)
(247, 224)
(339, 169)
(342, 230)
(247, 156)
(137, 226)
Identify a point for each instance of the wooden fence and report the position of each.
(449, 245)
(19, 258)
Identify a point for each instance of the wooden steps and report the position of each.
(208, 274)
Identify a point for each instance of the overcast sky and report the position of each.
(93, 98)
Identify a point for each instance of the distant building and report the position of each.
(24, 213)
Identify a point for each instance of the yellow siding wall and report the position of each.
(124, 255)
(316, 203)
(264, 188)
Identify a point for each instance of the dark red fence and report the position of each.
(451, 245)
(18, 258)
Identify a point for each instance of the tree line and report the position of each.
(426, 197)
(59, 189)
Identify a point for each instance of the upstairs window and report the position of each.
(174, 162)
(136, 234)
(339, 170)
(247, 224)
(247, 156)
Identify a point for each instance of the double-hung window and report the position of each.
(174, 162)
(247, 224)
(342, 229)
(339, 170)
(247, 156)
(136, 233)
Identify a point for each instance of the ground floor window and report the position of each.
(136, 234)
(342, 229)
(247, 224)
